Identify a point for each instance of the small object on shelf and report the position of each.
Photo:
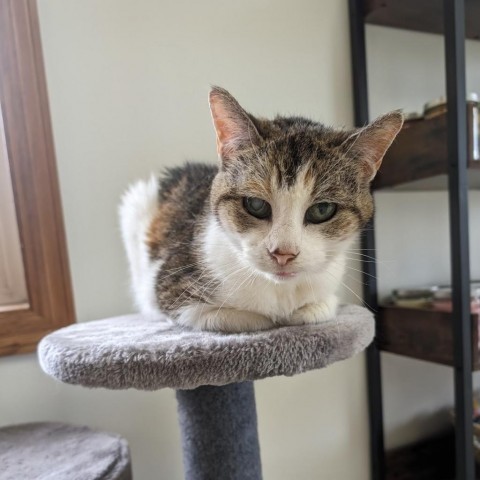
(412, 302)
(447, 306)
(437, 107)
(413, 297)
(434, 108)
(473, 101)
(438, 297)
(415, 292)
(442, 298)
(445, 291)
(412, 116)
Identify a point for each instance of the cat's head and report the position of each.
(291, 194)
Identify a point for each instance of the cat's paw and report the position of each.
(203, 317)
(313, 313)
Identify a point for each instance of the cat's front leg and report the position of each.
(206, 317)
(312, 313)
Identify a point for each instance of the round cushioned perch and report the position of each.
(135, 352)
(211, 371)
(62, 452)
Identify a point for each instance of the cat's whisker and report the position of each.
(311, 287)
(213, 280)
(255, 276)
(198, 290)
(353, 252)
(357, 270)
(363, 302)
(348, 250)
(192, 284)
(361, 271)
(383, 262)
(346, 265)
(365, 258)
(175, 271)
(222, 304)
(355, 259)
(362, 260)
(355, 279)
(181, 269)
(185, 291)
(357, 250)
(195, 282)
(368, 258)
(231, 293)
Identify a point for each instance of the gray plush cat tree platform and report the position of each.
(212, 373)
(58, 451)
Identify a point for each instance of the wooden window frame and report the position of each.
(28, 131)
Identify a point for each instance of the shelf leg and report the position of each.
(454, 26)
(360, 90)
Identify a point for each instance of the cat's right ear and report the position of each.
(234, 128)
(369, 144)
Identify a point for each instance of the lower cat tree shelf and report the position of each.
(211, 371)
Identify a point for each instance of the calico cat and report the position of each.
(261, 239)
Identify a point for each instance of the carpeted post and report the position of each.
(219, 432)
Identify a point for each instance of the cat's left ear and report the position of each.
(235, 130)
(370, 143)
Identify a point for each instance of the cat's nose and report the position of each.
(283, 257)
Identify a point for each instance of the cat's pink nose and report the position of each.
(282, 257)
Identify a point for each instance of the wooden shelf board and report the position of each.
(423, 334)
(418, 160)
(435, 183)
(421, 16)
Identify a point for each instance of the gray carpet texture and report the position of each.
(135, 352)
(57, 451)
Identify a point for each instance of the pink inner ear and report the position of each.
(225, 130)
(232, 124)
(375, 139)
(224, 126)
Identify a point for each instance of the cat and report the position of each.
(261, 239)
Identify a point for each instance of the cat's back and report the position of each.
(186, 188)
(164, 210)
(183, 193)
(158, 218)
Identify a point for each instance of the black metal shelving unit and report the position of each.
(452, 22)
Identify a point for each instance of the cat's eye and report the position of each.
(320, 212)
(257, 207)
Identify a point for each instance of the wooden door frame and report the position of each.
(29, 138)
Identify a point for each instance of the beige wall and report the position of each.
(128, 84)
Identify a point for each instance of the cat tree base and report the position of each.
(211, 371)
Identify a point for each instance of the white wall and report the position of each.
(128, 86)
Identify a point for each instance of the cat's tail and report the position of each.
(136, 211)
